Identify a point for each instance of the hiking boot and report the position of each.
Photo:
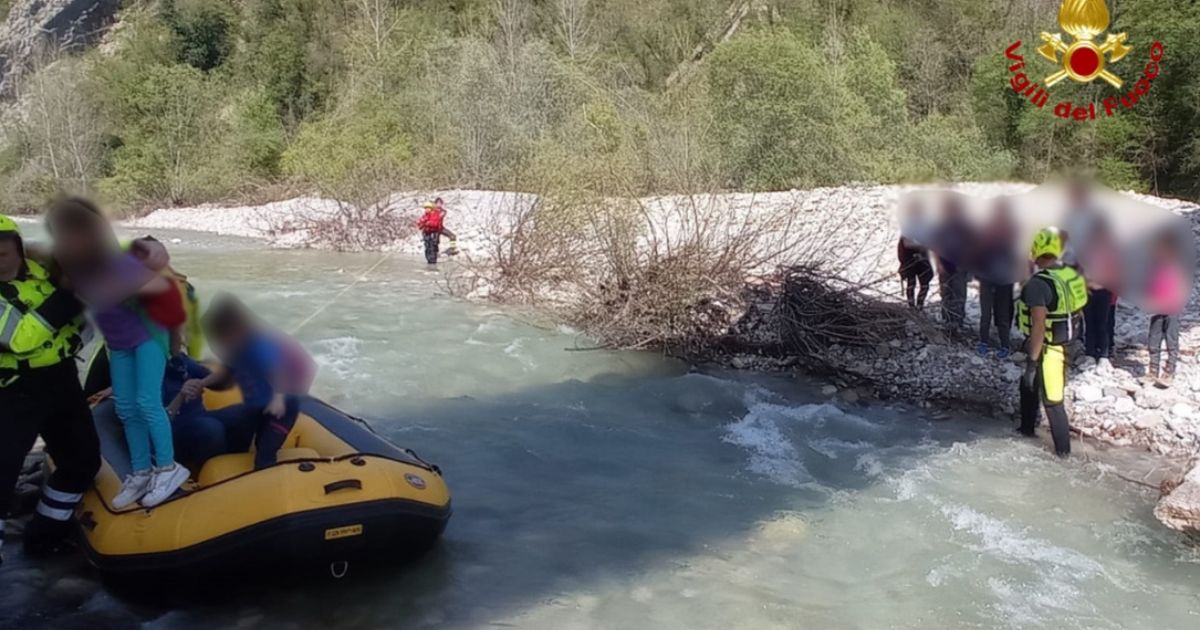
(44, 536)
(1151, 375)
(1003, 353)
(1166, 380)
(133, 488)
(166, 481)
(983, 349)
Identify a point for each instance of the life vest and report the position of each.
(431, 222)
(1070, 296)
(33, 333)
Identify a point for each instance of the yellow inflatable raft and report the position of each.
(339, 496)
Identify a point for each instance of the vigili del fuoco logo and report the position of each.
(1082, 58)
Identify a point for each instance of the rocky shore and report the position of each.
(1108, 403)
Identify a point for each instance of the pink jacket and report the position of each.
(1167, 292)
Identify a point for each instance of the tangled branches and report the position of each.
(816, 310)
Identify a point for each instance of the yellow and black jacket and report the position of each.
(39, 323)
(1062, 318)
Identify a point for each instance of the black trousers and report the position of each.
(1097, 324)
(953, 288)
(1164, 328)
(1049, 391)
(244, 423)
(996, 306)
(48, 401)
(432, 242)
(918, 271)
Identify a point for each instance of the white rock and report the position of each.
(1088, 393)
(828, 390)
(1183, 410)
(1124, 406)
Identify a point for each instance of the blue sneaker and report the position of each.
(1003, 353)
(983, 350)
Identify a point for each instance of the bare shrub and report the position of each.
(358, 213)
(666, 272)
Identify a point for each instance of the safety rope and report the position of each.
(321, 308)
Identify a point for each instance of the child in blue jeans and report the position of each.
(255, 361)
(111, 283)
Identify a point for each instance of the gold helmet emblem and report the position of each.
(1083, 60)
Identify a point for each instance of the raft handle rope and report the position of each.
(321, 309)
(336, 572)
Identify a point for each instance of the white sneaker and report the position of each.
(133, 488)
(166, 482)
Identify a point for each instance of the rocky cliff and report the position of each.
(36, 27)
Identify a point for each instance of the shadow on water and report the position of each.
(557, 488)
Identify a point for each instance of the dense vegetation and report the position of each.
(199, 100)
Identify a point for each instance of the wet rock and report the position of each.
(29, 577)
(883, 350)
(1018, 357)
(850, 396)
(1180, 508)
(828, 390)
(72, 588)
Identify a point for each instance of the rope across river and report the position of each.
(320, 309)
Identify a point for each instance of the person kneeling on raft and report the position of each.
(257, 362)
(1046, 313)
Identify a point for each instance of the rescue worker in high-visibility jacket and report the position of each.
(1048, 315)
(40, 392)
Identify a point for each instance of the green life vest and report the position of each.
(1070, 296)
(27, 339)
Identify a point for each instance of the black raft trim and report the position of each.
(391, 528)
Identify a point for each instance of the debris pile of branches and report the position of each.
(817, 310)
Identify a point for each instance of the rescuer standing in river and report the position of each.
(1047, 314)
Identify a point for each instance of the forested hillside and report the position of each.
(188, 101)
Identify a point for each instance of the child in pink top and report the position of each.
(1166, 296)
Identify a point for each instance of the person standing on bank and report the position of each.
(953, 241)
(996, 267)
(40, 392)
(1047, 315)
(433, 226)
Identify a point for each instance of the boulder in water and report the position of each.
(1179, 509)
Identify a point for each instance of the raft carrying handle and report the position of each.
(345, 484)
(338, 569)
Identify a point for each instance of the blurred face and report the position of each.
(80, 242)
(10, 259)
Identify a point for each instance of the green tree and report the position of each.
(770, 94)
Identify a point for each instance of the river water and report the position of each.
(599, 490)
